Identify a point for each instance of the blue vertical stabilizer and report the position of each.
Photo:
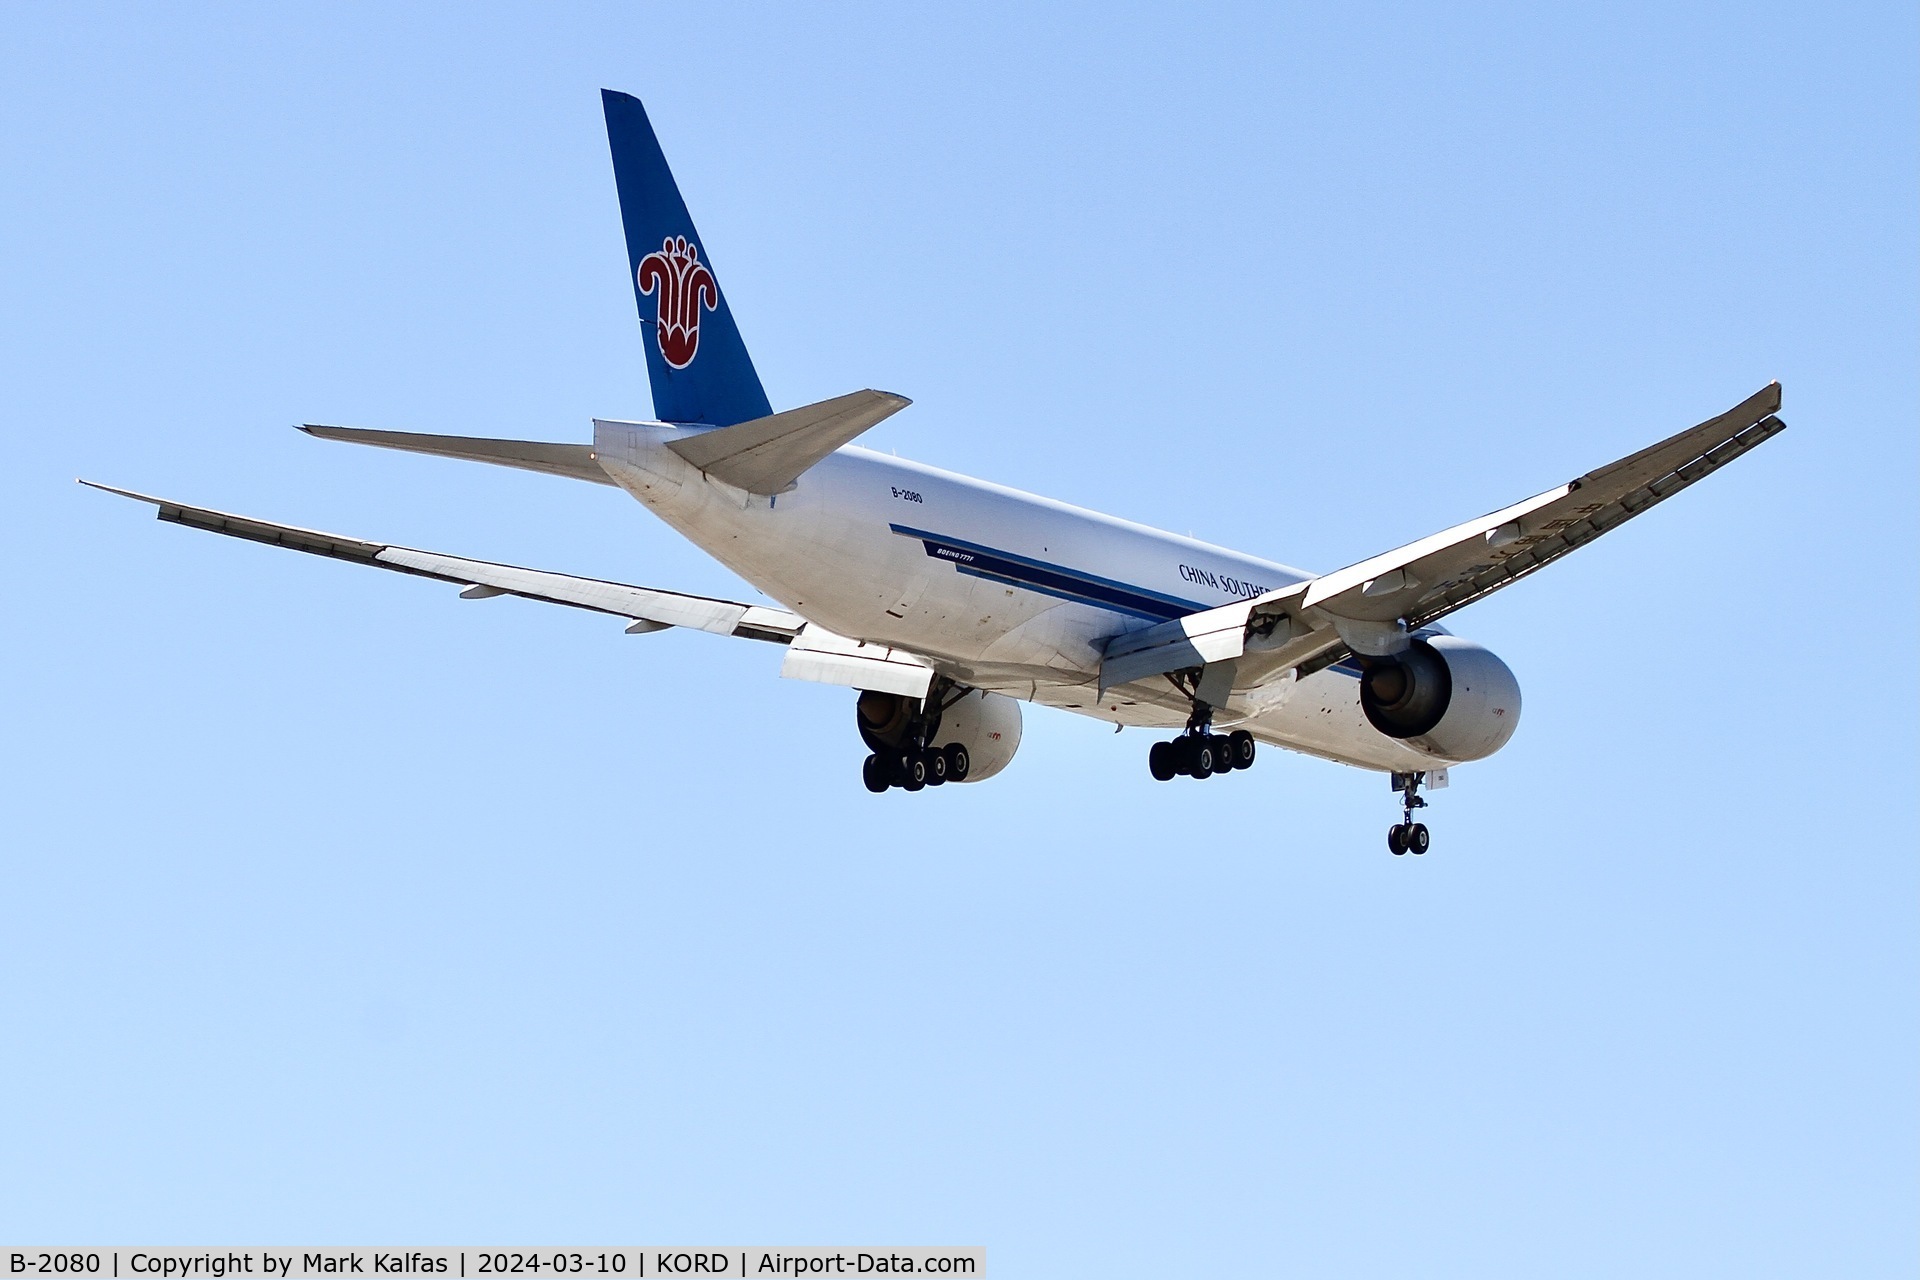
(696, 360)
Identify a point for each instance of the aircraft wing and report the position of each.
(1424, 581)
(1367, 605)
(650, 609)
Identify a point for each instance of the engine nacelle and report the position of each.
(1445, 696)
(987, 724)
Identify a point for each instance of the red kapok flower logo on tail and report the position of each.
(684, 287)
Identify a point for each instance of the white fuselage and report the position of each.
(1000, 589)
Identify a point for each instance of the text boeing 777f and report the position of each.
(947, 601)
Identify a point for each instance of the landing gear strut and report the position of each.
(1200, 752)
(1408, 836)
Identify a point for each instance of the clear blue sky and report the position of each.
(339, 910)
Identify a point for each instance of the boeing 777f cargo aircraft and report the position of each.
(946, 602)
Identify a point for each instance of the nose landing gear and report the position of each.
(1408, 836)
(1199, 752)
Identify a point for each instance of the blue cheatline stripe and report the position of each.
(1059, 581)
(1050, 579)
(1159, 615)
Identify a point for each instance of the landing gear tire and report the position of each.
(1200, 755)
(1241, 744)
(1409, 836)
(916, 770)
(1161, 761)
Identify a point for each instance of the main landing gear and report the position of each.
(1199, 752)
(1408, 836)
(916, 768)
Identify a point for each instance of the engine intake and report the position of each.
(1443, 695)
(1407, 695)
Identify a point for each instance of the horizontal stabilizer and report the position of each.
(574, 461)
(768, 454)
(657, 609)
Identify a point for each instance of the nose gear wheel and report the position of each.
(1407, 836)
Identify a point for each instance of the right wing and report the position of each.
(1373, 605)
(650, 609)
(1424, 581)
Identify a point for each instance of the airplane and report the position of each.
(945, 602)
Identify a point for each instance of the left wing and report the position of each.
(650, 609)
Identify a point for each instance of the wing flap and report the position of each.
(822, 656)
(1210, 636)
(642, 604)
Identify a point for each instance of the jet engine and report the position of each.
(986, 724)
(1445, 696)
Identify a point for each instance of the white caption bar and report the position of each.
(490, 1264)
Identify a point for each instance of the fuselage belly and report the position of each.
(1001, 590)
